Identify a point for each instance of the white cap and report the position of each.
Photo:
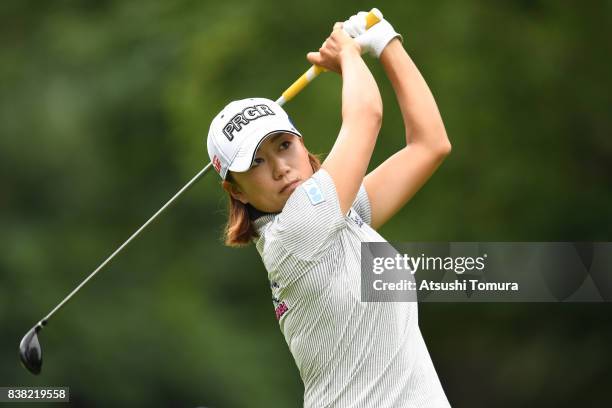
(238, 130)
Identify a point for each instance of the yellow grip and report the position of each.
(296, 87)
(373, 17)
(301, 82)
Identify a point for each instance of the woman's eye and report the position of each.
(256, 162)
(285, 144)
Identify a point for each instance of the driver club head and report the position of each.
(30, 351)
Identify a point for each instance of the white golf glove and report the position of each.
(374, 40)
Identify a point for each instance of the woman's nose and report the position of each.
(280, 168)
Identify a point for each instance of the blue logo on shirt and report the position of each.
(315, 195)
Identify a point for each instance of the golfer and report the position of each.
(308, 220)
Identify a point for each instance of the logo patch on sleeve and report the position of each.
(315, 195)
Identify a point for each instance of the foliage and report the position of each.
(104, 108)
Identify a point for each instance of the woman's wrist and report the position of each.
(394, 46)
(349, 53)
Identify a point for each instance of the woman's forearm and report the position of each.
(361, 101)
(419, 110)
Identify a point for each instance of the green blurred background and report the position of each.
(104, 107)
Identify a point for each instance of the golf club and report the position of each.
(30, 351)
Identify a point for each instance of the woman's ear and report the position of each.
(234, 191)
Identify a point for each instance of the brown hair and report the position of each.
(240, 229)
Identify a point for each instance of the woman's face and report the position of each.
(280, 165)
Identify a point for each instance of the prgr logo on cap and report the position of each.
(239, 120)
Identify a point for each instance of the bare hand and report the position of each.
(335, 46)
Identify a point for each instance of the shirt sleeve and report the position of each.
(311, 218)
(361, 205)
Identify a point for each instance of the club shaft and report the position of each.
(202, 172)
(134, 235)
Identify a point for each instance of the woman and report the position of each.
(308, 220)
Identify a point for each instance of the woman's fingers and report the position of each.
(328, 55)
(314, 58)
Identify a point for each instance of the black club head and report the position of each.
(30, 351)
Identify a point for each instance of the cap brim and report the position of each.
(246, 153)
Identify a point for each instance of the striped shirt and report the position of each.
(349, 353)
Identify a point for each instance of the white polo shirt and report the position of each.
(349, 353)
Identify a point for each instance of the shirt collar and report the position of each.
(263, 220)
(259, 218)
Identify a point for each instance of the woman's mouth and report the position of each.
(289, 187)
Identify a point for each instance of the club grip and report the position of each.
(373, 17)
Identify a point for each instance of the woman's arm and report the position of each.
(392, 184)
(348, 160)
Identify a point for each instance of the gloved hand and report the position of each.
(374, 40)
